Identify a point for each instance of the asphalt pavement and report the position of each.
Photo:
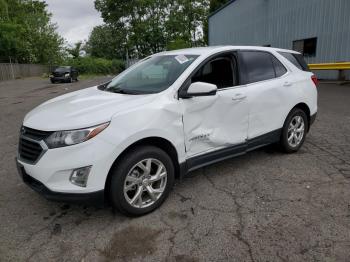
(263, 206)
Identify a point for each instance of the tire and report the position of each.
(129, 181)
(52, 82)
(294, 132)
(70, 80)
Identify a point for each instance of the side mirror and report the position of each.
(200, 89)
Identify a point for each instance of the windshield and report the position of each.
(152, 75)
(62, 69)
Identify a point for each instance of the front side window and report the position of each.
(219, 71)
(152, 75)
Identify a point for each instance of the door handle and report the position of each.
(287, 83)
(238, 97)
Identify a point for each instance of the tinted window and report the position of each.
(301, 61)
(62, 69)
(280, 70)
(297, 60)
(218, 72)
(258, 65)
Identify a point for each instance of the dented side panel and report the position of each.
(216, 121)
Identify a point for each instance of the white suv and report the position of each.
(173, 112)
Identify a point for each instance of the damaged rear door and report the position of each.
(216, 121)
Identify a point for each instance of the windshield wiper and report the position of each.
(122, 91)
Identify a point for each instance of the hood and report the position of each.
(80, 109)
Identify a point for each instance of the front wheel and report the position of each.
(141, 180)
(294, 131)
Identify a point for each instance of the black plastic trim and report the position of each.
(266, 139)
(196, 162)
(216, 156)
(94, 198)
(312, 118)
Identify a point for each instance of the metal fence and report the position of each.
(10, 71)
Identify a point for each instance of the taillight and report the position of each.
(314, 79)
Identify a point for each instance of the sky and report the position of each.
(75, 18)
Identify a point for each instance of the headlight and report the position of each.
(72, 137)
(66, 75)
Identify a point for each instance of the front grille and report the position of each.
(35, 134)
(30, 147)
(58, 74)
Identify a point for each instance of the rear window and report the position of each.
(261, 66)
(297, 60)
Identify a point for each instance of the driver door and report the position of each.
(217, 121)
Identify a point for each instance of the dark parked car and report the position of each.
(64, 74)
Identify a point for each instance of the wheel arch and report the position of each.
(306, 109)
(159, 142)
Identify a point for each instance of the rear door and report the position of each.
(214, 122)
(266, 82)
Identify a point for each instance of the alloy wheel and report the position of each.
(145, 183)
(296, 130)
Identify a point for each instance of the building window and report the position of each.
(306, 46)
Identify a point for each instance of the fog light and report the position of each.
(80, 176)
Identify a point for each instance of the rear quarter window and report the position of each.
(280, 70)
(296, 59)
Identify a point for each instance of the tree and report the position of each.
(26, 33)
(216, 4)
(75, 50)
(148, 26)
(105, 42)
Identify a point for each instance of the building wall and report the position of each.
(280, 22)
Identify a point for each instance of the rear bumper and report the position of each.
(93, 198)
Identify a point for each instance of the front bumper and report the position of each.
(50, 175)
(59, 79)
(93, 198)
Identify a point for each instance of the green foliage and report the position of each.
(92, 65)
(75, 50)
(105, 42)
(177, 44)
(216, 4)
(144, 27)
(26, 33)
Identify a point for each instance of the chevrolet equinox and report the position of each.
(126, 141)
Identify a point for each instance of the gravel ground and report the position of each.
(263, 206)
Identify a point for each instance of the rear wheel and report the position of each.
(141, 181)
(294, 131)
